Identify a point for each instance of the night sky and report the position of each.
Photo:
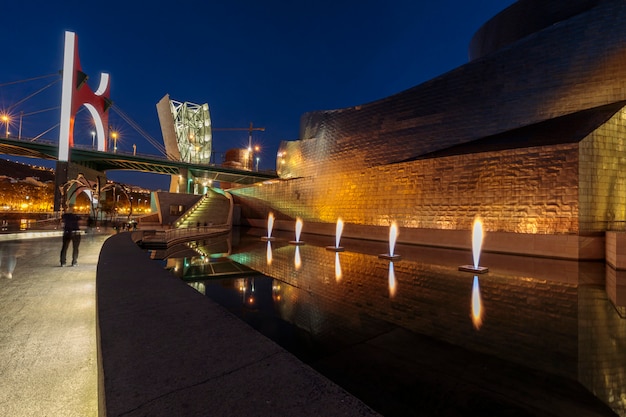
(262, 62)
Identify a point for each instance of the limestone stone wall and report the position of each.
(531, 190)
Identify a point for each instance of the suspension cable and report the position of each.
(139, 130)
(43, 133)
(41, 111)
(29, 79)
(33, 94)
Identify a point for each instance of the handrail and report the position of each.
(190, 211)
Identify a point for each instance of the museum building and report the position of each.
(529, 135)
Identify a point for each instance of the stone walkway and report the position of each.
(48, 351)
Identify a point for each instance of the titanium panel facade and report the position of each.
(529, 135)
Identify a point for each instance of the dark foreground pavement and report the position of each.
(166, 350)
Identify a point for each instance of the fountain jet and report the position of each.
(270, 226)
(298, 232)
(338, 232)
(393, 236)
(477, 243)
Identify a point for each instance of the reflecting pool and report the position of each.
(419, 337)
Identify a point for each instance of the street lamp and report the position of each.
(114, 136)
(6, 119)
(19, 132)
(93, 139)
(257, 163)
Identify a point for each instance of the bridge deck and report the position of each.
(105, 161)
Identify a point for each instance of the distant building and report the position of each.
(186, 129)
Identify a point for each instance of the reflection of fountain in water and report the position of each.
(337, 268)
(393, 236)
(298, 232)
(297, 262)
(477, 243)
(392, 281)
(270, 226)
(269, 253)
(338, 231)
(477, 305)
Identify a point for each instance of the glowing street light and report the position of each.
(6, 120)
(93, 139)
(114, 136)
(257, 163)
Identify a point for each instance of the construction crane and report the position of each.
(249, 129)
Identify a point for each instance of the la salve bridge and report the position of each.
(103, 161)
(187, 142)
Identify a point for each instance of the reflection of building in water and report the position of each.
(529, 135)
(602, 347)
(522, 316)
(564, 327)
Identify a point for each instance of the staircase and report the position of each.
(214, 208)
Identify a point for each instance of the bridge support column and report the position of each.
(61, 176)
(181, 183)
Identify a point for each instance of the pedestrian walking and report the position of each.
(71, 233)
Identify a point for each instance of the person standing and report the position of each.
(71, 233)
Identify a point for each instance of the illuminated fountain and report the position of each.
(338, 232)
(392, 281)
(393, 236)
(477, 243)
(477, 313)
(270, 226)
(298, 232)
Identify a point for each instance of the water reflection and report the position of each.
(297, 260)
(550, 316)
(392, 281)
(477, 304)
(337, 267)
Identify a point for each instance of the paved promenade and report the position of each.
(48, 362)
(165, 349)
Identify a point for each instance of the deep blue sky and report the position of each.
(251, 61)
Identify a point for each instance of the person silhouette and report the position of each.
(71, 233)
